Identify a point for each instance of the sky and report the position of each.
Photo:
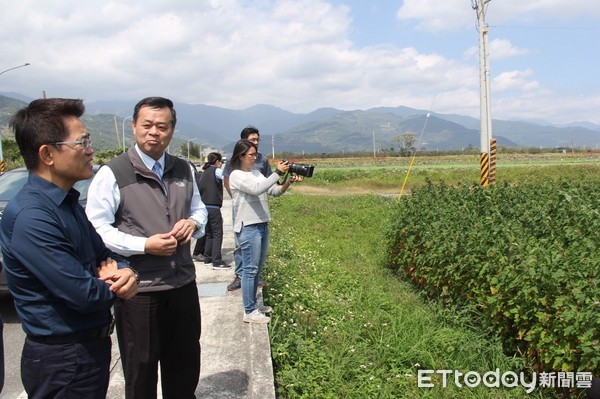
(301, 55)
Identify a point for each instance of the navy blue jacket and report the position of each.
(51, 252)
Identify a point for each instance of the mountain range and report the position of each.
(325, 130)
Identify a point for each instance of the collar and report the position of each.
(51, 190)
(148, 161)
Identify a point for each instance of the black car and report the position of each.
(10, 184)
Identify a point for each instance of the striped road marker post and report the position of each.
(485, 169)
(492, 175)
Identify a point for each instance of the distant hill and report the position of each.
(530, 134)
(8, 107)
(354, 131)
(325, 129)
(101, 125)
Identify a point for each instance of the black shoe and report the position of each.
(235, 284)
(198, 258)
(220, 265)
(207, 260)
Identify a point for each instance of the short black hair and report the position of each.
(247, 131)
(43, 122)
(156, 103)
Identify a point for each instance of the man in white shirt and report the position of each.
(145, 204)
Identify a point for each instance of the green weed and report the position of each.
(345, 327)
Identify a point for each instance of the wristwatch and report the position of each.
(135, 273)
(195, 224)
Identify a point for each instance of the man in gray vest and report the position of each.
(146, 206)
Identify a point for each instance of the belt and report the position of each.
(92, 334)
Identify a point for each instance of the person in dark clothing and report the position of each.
(62, 277)
(211, 191)
(198, 253)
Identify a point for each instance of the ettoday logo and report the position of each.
(508, 379)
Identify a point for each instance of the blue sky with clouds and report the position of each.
(303, 55)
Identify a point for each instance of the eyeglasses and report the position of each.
(253, 155)
(254, 140)
(85, 143)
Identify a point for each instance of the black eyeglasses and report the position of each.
(85, 142)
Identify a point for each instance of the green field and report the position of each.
(344, 325)
(386, 175)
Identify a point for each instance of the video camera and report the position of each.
(301, 169)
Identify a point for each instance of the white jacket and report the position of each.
(249, 191)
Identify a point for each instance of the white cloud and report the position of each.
(543, 105)
(435, 16)
(502, 48)
(235, 54)
(527, 11)
(498, 49)
(450, 15)
(515, 80)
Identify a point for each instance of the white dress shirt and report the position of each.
(103, 201)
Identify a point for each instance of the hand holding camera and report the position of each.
(299, 169)
(282, 167)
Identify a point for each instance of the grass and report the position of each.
(345, 327)
(386, 175)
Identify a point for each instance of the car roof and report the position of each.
(8, 192)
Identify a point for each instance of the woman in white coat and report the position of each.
(249, 189)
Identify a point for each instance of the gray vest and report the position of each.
(149, 206)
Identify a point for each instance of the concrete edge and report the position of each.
(262, 382)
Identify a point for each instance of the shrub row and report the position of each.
(525, 257)
(345, 327)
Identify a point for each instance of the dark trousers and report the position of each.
(160, 326)
(199, 247)
(78, 370)
(214, 234)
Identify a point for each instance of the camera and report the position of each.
(301, 169)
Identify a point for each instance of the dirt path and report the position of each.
(312, 190)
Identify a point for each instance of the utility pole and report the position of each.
(374, 148)
(117, 130)
(485, 104)
(273, 144)
(123, 129)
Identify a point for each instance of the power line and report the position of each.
(545, 27)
